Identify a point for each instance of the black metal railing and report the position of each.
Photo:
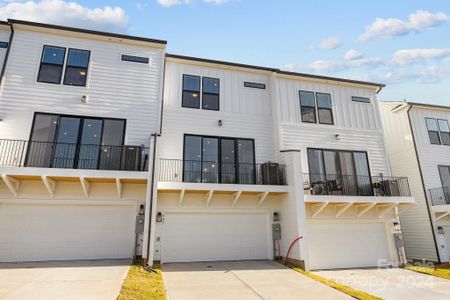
(353, 185)
(21, 153)
(177, 170)
(440, 196)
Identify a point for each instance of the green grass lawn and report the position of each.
(443, 273)
(141, 284)
(340, 287)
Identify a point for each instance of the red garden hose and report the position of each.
(290, 247)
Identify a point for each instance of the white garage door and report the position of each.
(214, 236)
(66, 232)
(346, 245)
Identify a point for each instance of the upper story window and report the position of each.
(209, 96)
(316, 106)
(52, 65)
(324, 108)
(360, 99)
(136, 59)
(3, 45)
(255, 85)
(438, 131)
(76, 67)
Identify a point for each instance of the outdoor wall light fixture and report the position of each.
(141, 209)
(220, 123)
(159, 217)
(440, 230)
(337, 136)
(397, 226)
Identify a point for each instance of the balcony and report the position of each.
(353, 185)
(33, 154)
(439, 196)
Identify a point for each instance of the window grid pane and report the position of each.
(78, 58)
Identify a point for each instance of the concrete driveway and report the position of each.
(63, 280)
(241, 280)
(392, 283)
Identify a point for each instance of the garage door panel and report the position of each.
(60, 232)
(208, 237)
(345, 245)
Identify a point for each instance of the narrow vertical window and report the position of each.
(324, 108)
(210, 93)
(433, 131)
(191, 91)
(52, 62)
(77, 67)
(445, 131)
(308, 107)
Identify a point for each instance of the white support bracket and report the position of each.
(208, 197)
(262, 197)
(236, 197)
(320, 208)
(119, 188)
(343, 209)
(443, 216)
(366, 209)
(85, 186)
(384, 208)
(181, 198)
(49, 184)
(12, 184)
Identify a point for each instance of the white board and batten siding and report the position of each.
(416, 224)
(431, 156)
(116, 89)
(357, 124)
(245, 112)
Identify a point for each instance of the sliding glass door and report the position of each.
(339, 171)
(218, 160)
(60, 141)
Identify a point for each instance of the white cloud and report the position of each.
(352, 54)
(389, 28)
(407, 56)
(216, 1)
(66, 13)
(332, 42)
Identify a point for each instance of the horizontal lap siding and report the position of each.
(245, 112)
(116, 89)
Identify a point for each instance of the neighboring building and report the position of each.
(246, 147)
(78, 109)
(418, 143)
(239, 163)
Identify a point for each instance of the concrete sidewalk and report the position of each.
(392, 284)
(63, 280)
(241, 280)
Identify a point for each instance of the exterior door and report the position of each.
(66, 143)
(89, 151)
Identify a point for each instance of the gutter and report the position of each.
(7, 53)
(423, 184)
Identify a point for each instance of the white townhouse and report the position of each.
(78, 113)
(418, 143)
(252, 158)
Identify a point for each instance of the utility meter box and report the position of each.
(139, 224)
(276, 232)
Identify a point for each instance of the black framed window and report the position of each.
(52, 63)
(444, 131)
(254, 85)
(210, 93)
(210, 159)
(191, 91)
(135, 59)
(3, 45)
(444, 173)
(324, 108)
(307, 107)
(360, 99)
(77, 67)
(433, 131)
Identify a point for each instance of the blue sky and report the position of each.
(403, 43)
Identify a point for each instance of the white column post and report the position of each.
(293, 215)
